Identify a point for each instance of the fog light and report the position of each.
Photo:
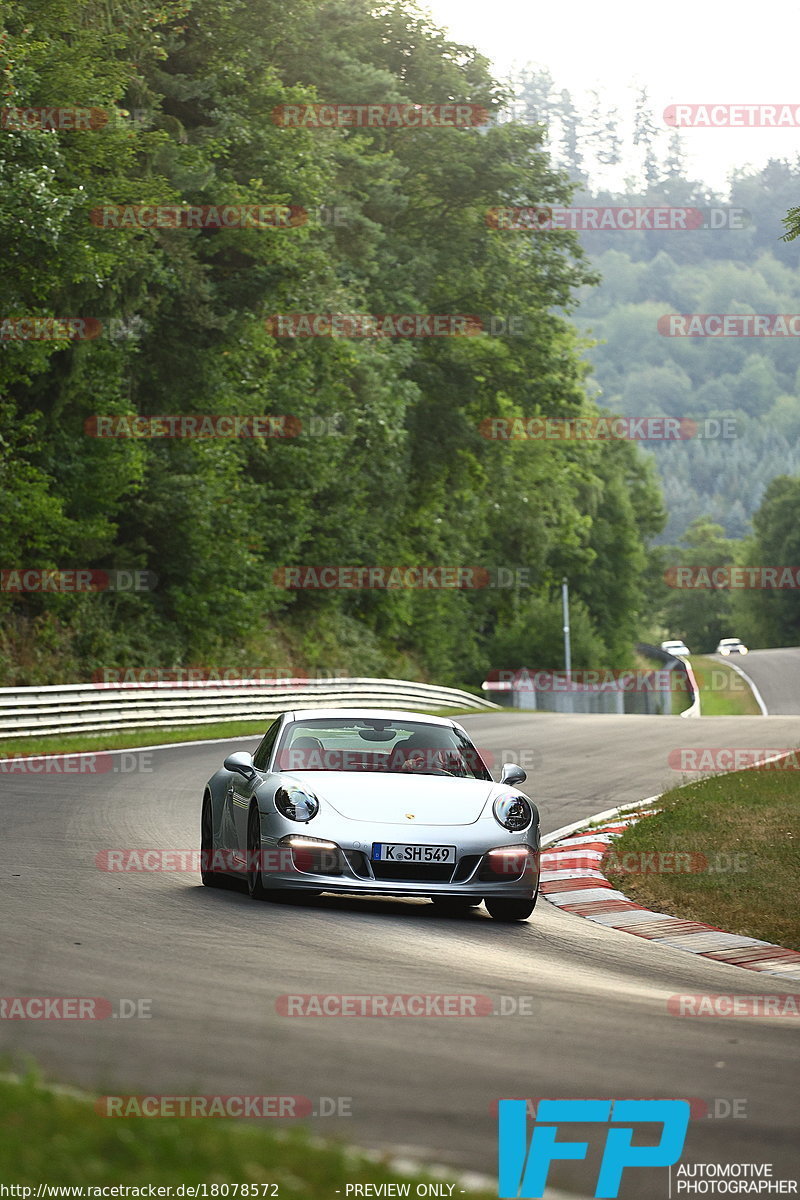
(504, 863)
(314, 855)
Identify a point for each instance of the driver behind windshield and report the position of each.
(343, 746)
(427, 752)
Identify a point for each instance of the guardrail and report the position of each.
(99, 707)
(598, 690)
(680, 664)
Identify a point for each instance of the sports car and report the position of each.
(730, 646)
(371, 801)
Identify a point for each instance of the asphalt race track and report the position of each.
(776, 674)
(213, 963)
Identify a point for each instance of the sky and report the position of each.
(703, 52)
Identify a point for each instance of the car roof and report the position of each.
(387, 714)
(723, 641)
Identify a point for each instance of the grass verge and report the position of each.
(746, 825)
(723, 693)
(74, 743)
(49, 1137)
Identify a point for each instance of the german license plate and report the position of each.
(403, 853)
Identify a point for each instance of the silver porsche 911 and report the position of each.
(372, 801)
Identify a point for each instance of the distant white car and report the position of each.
(731, 646)
(675, 648)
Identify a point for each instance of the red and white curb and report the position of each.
(568, 881)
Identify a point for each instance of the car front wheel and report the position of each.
(511, 910)
(255, 885)
(210, 878)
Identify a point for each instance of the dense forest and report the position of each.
(370, 450)
(389, 466)
(737, 263)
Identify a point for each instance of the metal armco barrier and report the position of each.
(98, 707)
(676, 664)
(554, 691)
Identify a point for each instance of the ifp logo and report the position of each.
(523, 1170)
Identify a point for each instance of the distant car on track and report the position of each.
(731, 646)
(677, 648)
(371, 801)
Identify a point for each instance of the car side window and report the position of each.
(264, 751)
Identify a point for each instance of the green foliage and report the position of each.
(647, 274)
(792, 223)
(49, 1133)
(772, 617)
(700, 616)
(400, 473)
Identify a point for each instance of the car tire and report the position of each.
(255, 884)
(209, 878)
(455, 905)
(511, 910)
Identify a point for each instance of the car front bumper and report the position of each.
(470, 877)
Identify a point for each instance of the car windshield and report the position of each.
(378, 744)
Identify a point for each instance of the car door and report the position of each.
(238, 794)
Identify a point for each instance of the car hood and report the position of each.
(399, 799)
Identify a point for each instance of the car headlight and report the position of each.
(296, 803)
(512, 812)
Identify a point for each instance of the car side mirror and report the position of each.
(512, 774)
(241, 762)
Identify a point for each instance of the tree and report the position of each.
(771, 616)
(645, 134)
(699, 615)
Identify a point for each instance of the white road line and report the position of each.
(756, 693)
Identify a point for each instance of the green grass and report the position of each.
(723, 693)
(747, 825)
(50, 1137)
(73, 743)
